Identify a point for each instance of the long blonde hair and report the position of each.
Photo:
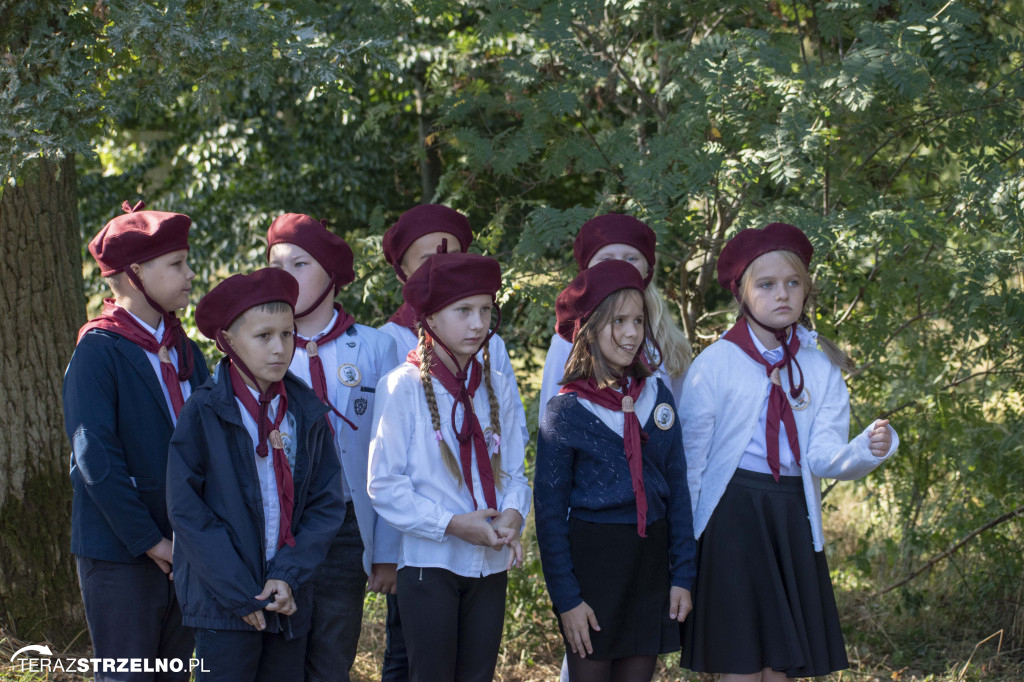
(836, 355)
(676, 352)
(426, 351)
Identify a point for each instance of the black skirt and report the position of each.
(763, 597)
(625, 579)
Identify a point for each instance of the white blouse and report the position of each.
(412, 489)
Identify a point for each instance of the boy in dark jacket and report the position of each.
(132, 370)
(253, 488)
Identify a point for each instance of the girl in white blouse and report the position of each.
(766, 414)
(446, 470)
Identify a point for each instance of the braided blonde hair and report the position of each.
(672, 341)
(426, 351)
(495, 417)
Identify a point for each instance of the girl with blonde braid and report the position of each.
(446, 470)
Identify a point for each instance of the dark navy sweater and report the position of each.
(582, 472)
(119, 425)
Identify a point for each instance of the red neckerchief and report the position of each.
(119, 321)
(405, 316)
(267, 429)
(633, 436)
(471, 434)
(779, 409)
(317, 377)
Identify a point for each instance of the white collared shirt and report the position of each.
(616, 419)
(412, 489)
(328, 354)
(154, 360)
(755, 457)
(724, 391)
(265, 467)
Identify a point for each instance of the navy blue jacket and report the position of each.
(582, 472)
(216, 510)
(119, 425)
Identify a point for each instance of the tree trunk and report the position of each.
(42, 304)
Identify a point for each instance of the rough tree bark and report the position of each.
(42, 304)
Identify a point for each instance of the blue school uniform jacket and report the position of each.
(119, 425)
(215, 507)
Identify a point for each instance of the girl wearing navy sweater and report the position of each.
(766, 415)
(614, 236)
(613, 514)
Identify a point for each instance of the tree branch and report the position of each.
(949, 551)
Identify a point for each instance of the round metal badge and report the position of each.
(801, 401)
(664, 416)
(349, 375)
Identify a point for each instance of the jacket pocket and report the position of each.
(144, 484)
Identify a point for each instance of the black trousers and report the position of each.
(339, 586)
(132, 612)
(396, 658)
(452, 624)
(249, 656)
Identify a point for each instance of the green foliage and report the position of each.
(890, 131)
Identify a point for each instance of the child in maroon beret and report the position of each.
(614, 525)
(614, 236)
(131, 373)
(419, 233)
(446, 470)
(253, 488)
(342, 361)
(766, 415)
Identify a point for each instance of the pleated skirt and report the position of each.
(625, 579)
(763, 597)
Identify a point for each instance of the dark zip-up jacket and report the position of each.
(119, 425)
(216, 510)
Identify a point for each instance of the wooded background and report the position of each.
(891, 132)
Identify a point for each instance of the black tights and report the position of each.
(628, 669)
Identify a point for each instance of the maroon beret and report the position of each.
(419, 221)
(329, 250)
(748, 245)
(580, 299)
(615, 228)
(448, 277)
(238, 293)
(137, 237)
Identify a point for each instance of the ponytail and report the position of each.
(836, 355)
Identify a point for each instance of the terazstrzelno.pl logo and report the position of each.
(38, 658)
